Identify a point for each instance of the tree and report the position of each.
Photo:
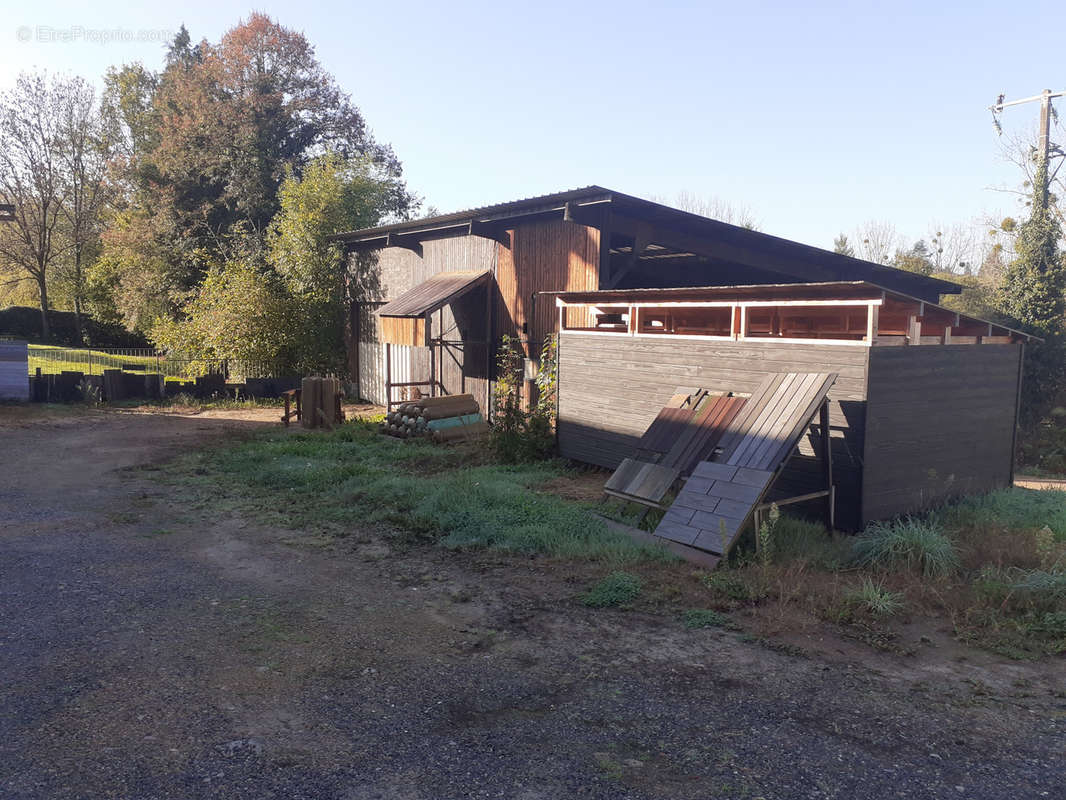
(843, 247)
(917, 259)
(84, 147)
(332, 195)
(31, 177)
(213, 136)
(713, 208)
(1033, 293)
(878, 241)
(240, 312)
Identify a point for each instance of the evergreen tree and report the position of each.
(842, 246)
(1033, 293)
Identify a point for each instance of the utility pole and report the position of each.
(1044, 149)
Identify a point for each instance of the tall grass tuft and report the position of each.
(875, 598)
(909, 543)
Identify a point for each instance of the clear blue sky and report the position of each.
(817, 116)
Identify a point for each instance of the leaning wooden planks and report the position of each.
(716, 503)
(320, 402)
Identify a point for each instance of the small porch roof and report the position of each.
(433, 294)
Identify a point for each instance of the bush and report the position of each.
(875, 599)
(518, 434)
(617, 590)
(909, 543)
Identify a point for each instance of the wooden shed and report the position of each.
(922, 404)
(580, 240)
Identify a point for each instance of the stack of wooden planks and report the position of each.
(724, 490)
(320, 402)
(684, 433)
(443, 419)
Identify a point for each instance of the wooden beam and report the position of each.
(700, 245)
(406, 242)
(488, 230)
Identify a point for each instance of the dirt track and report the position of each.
(155, 651)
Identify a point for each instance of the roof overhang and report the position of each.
(650, 231)
(433, 294)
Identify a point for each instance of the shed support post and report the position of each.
(388, 376)
(827, 465)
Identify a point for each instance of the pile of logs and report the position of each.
(444, 419)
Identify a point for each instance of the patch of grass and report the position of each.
(875, 599)
(617, 590)
(707, 618)
(451, 495)
(1014, 509)
(909, 543)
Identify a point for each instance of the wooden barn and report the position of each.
(914, 403)
(444, 330)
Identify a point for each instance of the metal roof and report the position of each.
(432, 294)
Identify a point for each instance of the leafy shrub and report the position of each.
(519, 434)
(617, 590)
(909, 543)
(875, 599)
(706, 618)
(730, 585)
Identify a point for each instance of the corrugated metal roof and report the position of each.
(432, 294)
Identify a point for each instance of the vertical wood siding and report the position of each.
(940, 424)
(460, 368)
(544, 257)
(611, 388)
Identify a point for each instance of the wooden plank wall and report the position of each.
(397, 270)
(544, 256)
(940, 424)
(14, 371)
(611, 388)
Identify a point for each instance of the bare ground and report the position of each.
(155, 649)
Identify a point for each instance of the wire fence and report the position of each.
(92, 361)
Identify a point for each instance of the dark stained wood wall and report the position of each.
(611, 388)
(940, 423)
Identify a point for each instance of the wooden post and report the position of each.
(827, 464)
(388, 376)
(432, 356)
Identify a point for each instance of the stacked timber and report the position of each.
(443, 419)
(320, 402)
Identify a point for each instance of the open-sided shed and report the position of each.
(923, 406)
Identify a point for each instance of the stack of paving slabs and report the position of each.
(684, 433)
(443, 419)
(724, 489)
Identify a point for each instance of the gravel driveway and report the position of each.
(155, 649)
